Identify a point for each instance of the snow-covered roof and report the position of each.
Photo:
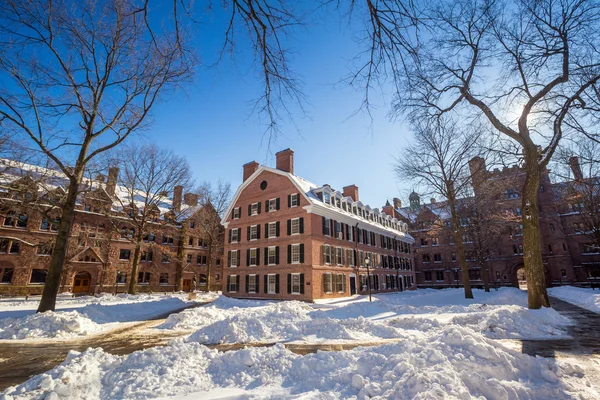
(48, 180)
(377, 220)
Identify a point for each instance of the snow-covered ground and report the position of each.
(451, 362)
(84, 315)
(583, 297)
(439, 345)
(497, 314)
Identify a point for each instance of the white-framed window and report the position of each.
(295, 227)
(254, 209)
(350, 257)
(339, 255)
(253, 257)
(271, 283)
(340, 283)
(272, 205)
(234, 258)
(295, 253)
(252, 283)
(233, 283)
(237, 211)
(349, 234)
(271, 255)
(327, 254)
(253, 232)
(328, 282)
(272, 229)
(326, 197)
(235, 235)
(294, 200)
(295, 283)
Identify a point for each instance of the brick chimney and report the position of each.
(388, 209)
(576, 168)
(351, 191)
(285, 160)
(111, 183)
(190, 199)
(177, 195)
(397, 203)
(249, 169)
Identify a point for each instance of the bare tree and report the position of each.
(214, 201)
(528, 68)
(80, 77)
(147, 176)
(439, 159)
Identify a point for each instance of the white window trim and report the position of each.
(237, 235)
(299, 287)
(253, 207)
(330, 282)
(269, 205)
(255, 257)
(336, 283)
(237, 212)
(229, 284)
(295, 245)
(255, 232)
(269, 230)
(294, 196)
(255, 283)
(274, 255)
(292, 226)
(237, 259)
(269, 283)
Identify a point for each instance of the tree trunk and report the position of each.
(135, 266)
(486, 276)
(52, 284)
(460, 249)
(180, 259)
(209, 265)
(532, 249)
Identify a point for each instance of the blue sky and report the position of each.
(211, 124)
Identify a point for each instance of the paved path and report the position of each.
(585, 334)
(22, 359)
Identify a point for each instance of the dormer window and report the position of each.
(326, 198)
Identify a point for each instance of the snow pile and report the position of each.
(47, 325)
(86, 319)
(240, 321)
(514, 322)
(134, 311)
(583, 297)
(453, 362)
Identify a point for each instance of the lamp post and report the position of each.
(367, 261)
(117, 282)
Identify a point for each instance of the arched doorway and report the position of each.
(82, 282)
(522, 278)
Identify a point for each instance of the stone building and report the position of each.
(497, 246)
(287, 238)
(100, 250)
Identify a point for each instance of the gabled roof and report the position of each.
(309, 191)
(87, 250)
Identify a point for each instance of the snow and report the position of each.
(433, 344)
(499, 314)
(81, 316)
(450, 362)
(583, 297)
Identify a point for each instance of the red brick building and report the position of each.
(568, 255)
(100, 251)
(287, 238)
